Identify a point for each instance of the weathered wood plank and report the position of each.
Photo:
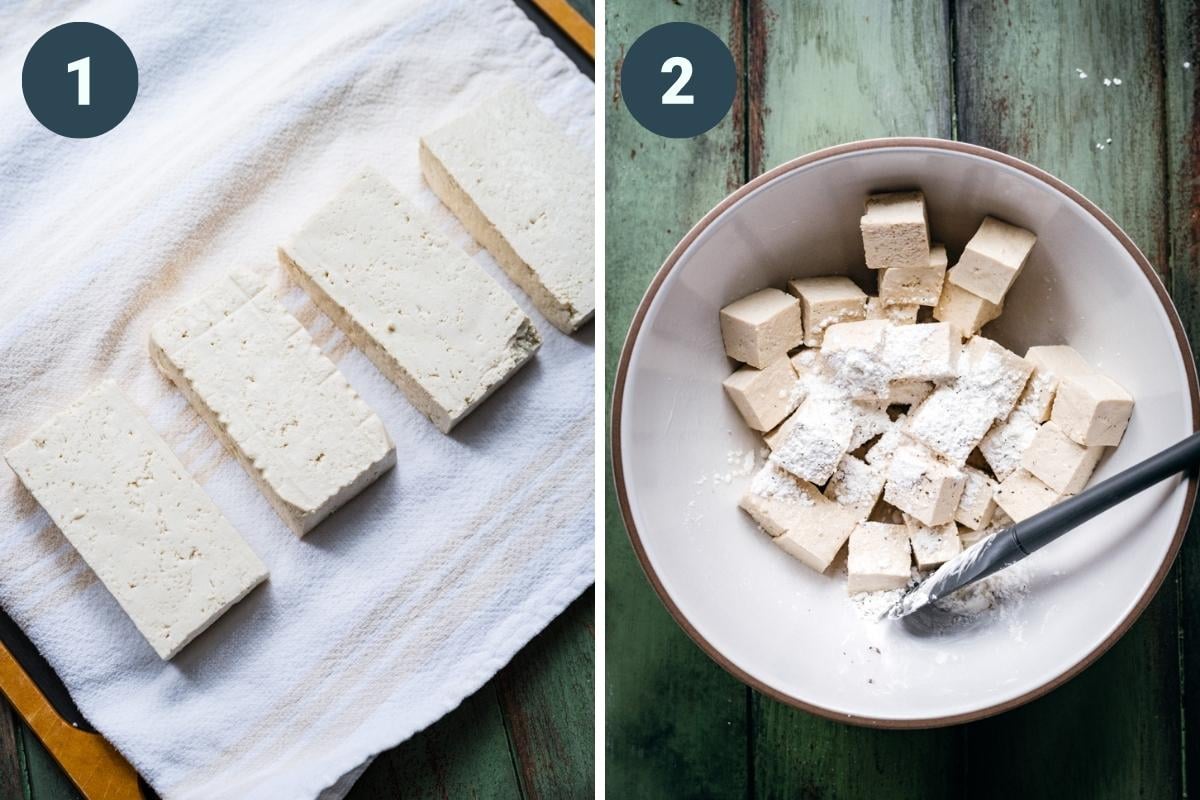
(1181, 39)
(45, 778)
(872, 69)
(547, 697)
(676, 722)
(465, 754)
(1113, 731)
(12, 778)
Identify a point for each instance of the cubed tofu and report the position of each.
(854, 354)
(1005, 444)
(921, 286)
(761, 327)
(952, 421)
(1051, 363)
(779, 501)
(908, 393)
(855, 484)
(922, 352)
(998, 374)
(965, 311)
(880, 454)
(1058, 462)
(895, 314)
(764, 396)
(932, 546)
(827, 301)
(1092, 409)
(895, 230)
(992, 259)
(817, 543)
(922, 485)
(1022, 495)
(816, 439)
(977, 506)
(879, 558)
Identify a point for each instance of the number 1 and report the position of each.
(672, 96)
(84, 67)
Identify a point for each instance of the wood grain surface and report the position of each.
(1002, 73)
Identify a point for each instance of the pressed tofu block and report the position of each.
(1006, 443)
(293, 421)
(1051, 363)
(922, 485)
(965, 311)
(992, 259)
(994, 373)
(952, 421)
(1021, 495)
(895, 230)
(879, 558)
(763, 396)
(429, 317)
(826, 301)
(526, 194)
(934, 546)
(895, 314)
(927, 352)
(1092, 409)
(920, 286)
(855, 484)
(1058, 462)
(761, 327)
(815, 440)
(145, 527)
(976, 507)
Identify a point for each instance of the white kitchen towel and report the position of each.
(249, 116)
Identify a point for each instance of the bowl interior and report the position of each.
(683, 446)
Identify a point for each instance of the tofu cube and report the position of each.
(922, 485)
(992, 259)
(879, 558)
(1005, 444)
(895, 314)
(932, 546)
(764, 396)
(855, 484)
(908, 393)
(880, 454)
(1021, 495)
(853, 353)
(1051, 363)
(826, 301)
(922, 352)
(817, 543)
(952, 421)
(895, 230)
(779, 501)
(962, 309)
(761, 327)
(921, 286)
(977, 505)
(816, 439)
(1092, 409)
(868, 421)
(1058, 462)
(995, 372)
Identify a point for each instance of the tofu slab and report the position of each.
(527, 195)
(291, 418)
(141, 522)
(429, 317)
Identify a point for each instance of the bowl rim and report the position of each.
(631, 341)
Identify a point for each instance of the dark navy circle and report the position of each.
(80, 80)
(678, 80)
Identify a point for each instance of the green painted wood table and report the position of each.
(1000, 73)
(528, 733)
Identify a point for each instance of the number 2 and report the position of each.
(84, 67)
(672, 96)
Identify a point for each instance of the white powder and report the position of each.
(816, 440)
(871, 606)
(855, 483)
(773, 483)
(1004, 444)
(881, 452)
(952, 421)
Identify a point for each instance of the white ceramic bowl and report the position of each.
(783, 628)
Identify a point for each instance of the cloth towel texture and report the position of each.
(249, 117)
